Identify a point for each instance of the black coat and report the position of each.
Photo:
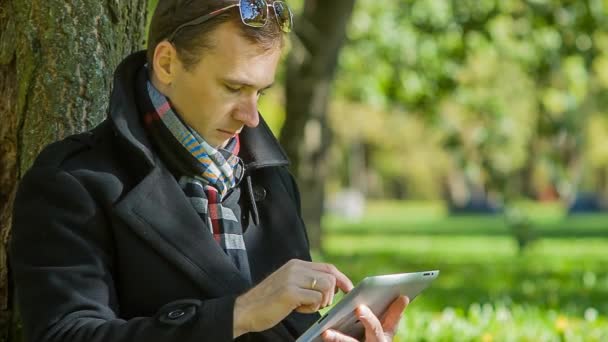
(106, 247)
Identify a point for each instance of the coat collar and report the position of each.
(259, 147)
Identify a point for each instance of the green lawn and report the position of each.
(557, 290)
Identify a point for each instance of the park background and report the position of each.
(469, 136)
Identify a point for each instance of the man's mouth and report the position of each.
(231, 133)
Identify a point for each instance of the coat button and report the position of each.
(175, 314)
(259, 193)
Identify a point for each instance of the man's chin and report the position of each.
(217, 141)
(223, 144)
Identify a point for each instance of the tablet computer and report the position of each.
(377, 293)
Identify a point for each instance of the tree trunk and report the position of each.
(321, 31)
(56, 64)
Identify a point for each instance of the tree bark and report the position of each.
(56, 63)
(321, 31)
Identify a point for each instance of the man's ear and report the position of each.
(165, 62)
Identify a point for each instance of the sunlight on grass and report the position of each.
(459, 247)
(555, 290)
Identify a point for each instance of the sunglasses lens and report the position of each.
(283, 14)
(254, 12)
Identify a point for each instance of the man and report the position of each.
(176, 218)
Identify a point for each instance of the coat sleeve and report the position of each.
(61, 260)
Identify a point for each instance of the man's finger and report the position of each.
(308, 301)
(321, 282)
(392, 316)
(335, 336)
(307, 309)
(342, 281)
(373, 327)
(332, 291)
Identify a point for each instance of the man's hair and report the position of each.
(191, 41)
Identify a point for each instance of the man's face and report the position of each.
(219, 96)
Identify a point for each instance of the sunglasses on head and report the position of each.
(254, 13)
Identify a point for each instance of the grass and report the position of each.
(556, 290)
(433, 219)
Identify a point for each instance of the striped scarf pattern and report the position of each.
(219, 171)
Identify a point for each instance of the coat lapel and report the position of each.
(157, 210)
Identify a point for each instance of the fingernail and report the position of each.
(329, 334)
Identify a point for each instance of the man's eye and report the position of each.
(232, 89)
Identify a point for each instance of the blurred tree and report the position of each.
(56, 63)
(320, 33)
(516, 91)
(509, 84)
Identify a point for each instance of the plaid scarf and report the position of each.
(207, 174)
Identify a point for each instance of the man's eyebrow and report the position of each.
(245, 84)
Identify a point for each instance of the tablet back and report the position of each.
(377, 293)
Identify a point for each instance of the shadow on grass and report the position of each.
(591, 226)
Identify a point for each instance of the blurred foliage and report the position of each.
(494, 87)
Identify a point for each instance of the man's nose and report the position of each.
(247, 113)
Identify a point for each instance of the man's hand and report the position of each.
(298, 285)
(375, 330)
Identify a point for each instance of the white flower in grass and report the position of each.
(488, 310)
(503, 314)
(435, 328)
(475, 310)
(591, 314)
(448, 314)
